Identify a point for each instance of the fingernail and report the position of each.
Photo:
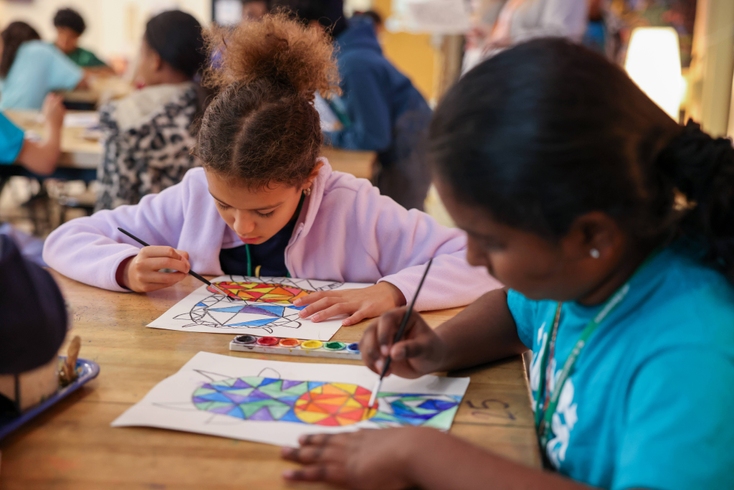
(289, 474)
(385, 350)
(316, 318)
(379, 364)
(298, 301)
(302, 314)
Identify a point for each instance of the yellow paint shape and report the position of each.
(312, 344)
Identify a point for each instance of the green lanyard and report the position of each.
(249, 261)
(257, 269)
(545, 407)
(544, 414)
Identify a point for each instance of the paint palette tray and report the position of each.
(86, 371)
(295, 347)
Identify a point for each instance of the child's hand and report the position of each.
(419, 352)
(142, 273)
(53, 110)
(358, 303)
(365, 459)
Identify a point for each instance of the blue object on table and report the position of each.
(86, 370)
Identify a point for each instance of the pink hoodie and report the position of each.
(346, 231)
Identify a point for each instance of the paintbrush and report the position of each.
(398, 336)
(199, 277)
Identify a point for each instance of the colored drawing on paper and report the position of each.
(262, 305)
(278, 402)
(320, 403)
(265, 292)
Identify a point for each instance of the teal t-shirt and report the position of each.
(38, 68)
(649, 404)
(11, 140)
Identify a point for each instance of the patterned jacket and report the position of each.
(148, 137)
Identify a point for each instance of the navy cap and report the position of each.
(33, 318)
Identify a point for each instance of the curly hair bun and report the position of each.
(276, 49)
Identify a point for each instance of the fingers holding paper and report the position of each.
(357, 304)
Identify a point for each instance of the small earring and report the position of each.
(594, 253)
(307, 191)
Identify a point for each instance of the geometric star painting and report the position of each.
(280, 401)
(263, 306)
(320, 403)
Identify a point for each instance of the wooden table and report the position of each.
(73, 445)
(78, 152)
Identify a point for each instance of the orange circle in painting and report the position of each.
(289, 342)
(334, 404)
(312, 344)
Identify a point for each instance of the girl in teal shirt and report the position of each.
(613, 229)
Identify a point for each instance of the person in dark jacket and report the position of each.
(382, 110)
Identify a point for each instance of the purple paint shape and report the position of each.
(224, 410)
(258, 311)
(287, 384)
(258, 395)
(236, 398)
(262, 414)
(240, 384)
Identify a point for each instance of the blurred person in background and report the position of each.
(254, 9)
(523, 20)
(380, 109)
(30, 69)
(38, 157)
(70, 26)
(148, 135)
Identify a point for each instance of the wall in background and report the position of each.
(114, 27)
(413, 54)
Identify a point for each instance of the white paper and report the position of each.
(81, 119)
(204, 311)
(176, 402)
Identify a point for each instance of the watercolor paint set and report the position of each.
(295, 347)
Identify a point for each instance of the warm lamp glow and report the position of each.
(653, 62)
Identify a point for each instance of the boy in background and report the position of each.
(69, 28)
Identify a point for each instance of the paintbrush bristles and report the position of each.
(373, 396)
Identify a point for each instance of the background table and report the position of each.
(73, 445)
(80, 153)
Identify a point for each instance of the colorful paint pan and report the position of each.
(267, 341)
(312, 344)
(245, 339)
(289, 343)
(295, 347)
